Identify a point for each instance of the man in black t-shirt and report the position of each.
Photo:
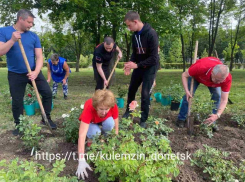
(103, 53)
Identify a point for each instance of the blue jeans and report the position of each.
(94, 129)
(215, 92)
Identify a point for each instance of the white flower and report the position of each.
(72, 109)
(236, 180)
(63, 115)
(82, 106)
(67, 115)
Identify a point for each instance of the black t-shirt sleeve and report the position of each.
(98, 58)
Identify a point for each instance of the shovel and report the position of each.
(189, 118)
(112, 72)
(34, 86)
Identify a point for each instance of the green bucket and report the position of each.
(120, 102)
(30, 109)
(158, 96)
(37, 106)
(165, 101)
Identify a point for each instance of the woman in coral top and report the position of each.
(100, 110)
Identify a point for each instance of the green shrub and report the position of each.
(30, 132)
(23, 171)
(120, 64)
(3, 64)
(30, 95)
(3, 58)
(86, 61)
(122, 91)
(136, 147)
(175, 65)
(240, 119)
(45, 64)
(72, 64)
(176, 92)
(203, 107)
(216, 164)
(71, 125)
(240, 172)
(162, 59)
(5, 94)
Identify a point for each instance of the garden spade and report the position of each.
(190, 121)
(34, 85)
(112, 72)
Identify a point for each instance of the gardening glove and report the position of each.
(81, 169)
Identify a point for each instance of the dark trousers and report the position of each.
(145, 76)
(98, 78)
(17, 86)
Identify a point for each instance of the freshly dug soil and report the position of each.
(230, 138)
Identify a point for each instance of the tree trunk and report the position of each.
(183, 51)
(128, 43)
(210, 26)
(114, 32)
(233, 46)
(78, 47)
(98, 30)
(215, 29)
(77, 63)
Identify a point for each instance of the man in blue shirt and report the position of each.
(18, 75)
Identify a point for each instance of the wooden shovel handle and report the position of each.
(112, 72)
(189, 124)
(34, 85)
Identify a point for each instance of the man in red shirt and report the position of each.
(211, 72)
(102, 110)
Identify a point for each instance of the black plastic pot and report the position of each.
(174, 106)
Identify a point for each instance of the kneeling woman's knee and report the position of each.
(93, 131)
(108, 124)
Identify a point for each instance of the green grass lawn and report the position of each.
(81, 87)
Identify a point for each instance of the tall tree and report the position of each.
(239, 15)
(216, 8)
(181, 9)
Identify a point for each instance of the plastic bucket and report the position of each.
(165, 101)
(158, 96)
(30, 109)
(180, 103)
(175, 106)
(120, 102)
(169, 100)
(37, 106)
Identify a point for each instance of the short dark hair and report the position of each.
(24, 13)
(108, 40)
(54, 57)
(131, 16)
